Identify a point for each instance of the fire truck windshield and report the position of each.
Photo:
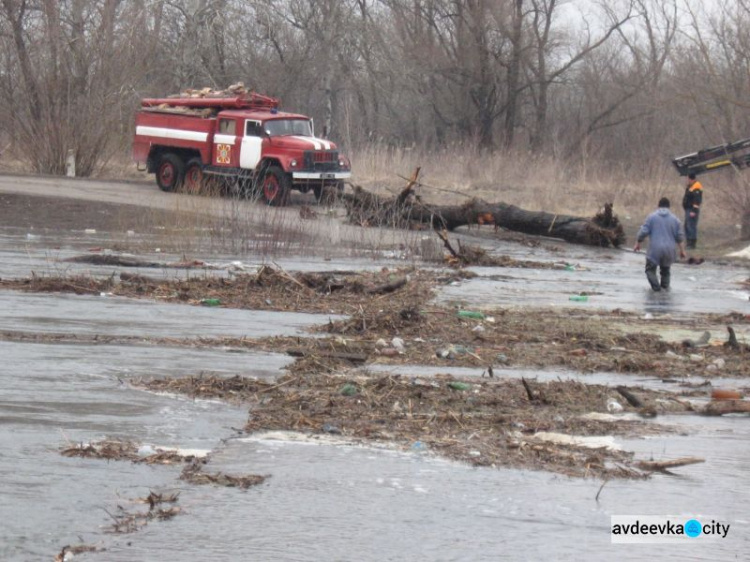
(278, 127)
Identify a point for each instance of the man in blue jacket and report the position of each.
(665, 233)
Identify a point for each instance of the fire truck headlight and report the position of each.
(293, 163)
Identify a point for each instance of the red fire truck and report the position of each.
(242, 138)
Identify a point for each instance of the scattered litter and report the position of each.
(381, 343)
(578, 298)
(398, 344)
(445, 353)
(614, 406)
(348, 389)
(211, 302)
(90, 231)
(332, 429)
(478, 329)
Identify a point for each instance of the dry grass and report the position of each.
(452, 174)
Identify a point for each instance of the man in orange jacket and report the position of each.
(691, 202)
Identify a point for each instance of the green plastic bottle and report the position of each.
(470, 314)
(458, 385)
(210, 302)
(579, 298)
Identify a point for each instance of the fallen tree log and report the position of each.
(368, 209)
(664, 466)
(126, 261)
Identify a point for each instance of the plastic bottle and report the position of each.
(579, 298)
(458, 385)
(210, 302)
(470, 314)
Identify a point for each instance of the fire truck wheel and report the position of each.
(169, 172)
(194, 178)
(276, 187)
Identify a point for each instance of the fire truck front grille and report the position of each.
(321, 160)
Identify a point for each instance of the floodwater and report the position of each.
(338, 502)
(53, 395)
(323, 501)
(44, 254)
(611, 279)
(121, 316)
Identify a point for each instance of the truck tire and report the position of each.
(195, 179)
(170, 172)
(275, 185)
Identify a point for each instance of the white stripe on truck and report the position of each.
(311, 140)
(177, 134)
(316, 142)
(224, 139)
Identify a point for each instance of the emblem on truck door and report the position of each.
(223, 153)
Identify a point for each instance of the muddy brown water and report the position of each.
(323, 501)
